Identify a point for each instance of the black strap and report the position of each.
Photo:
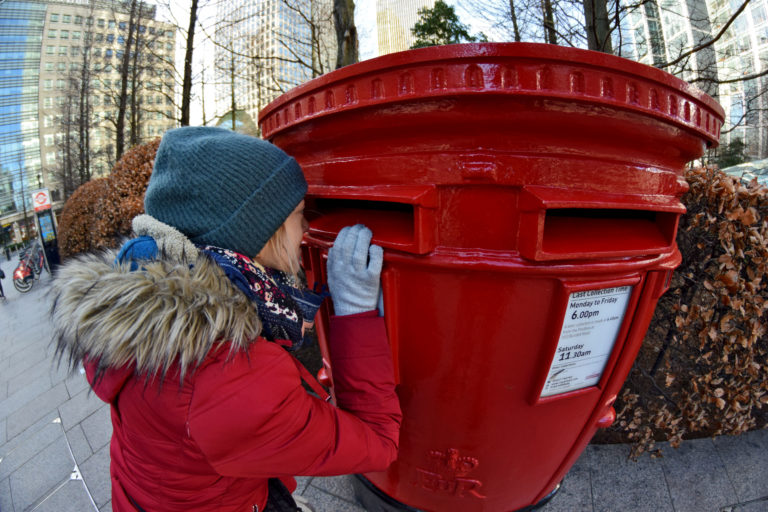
(279, 498)
(133, 502)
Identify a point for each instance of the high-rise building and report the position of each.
(21, 26)
(43, 46)
(394, 21)
(660, 32)
(267, 47)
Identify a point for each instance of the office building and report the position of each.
(42, 51)
(394, 21)
(267, 47)
(663, 31)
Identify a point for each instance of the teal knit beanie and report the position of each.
(223, 188)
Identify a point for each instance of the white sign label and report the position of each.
(41, 200)
(591, 324)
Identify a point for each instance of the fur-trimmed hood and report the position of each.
(173, 309)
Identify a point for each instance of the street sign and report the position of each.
(41, 199)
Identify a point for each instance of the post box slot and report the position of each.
(586, 224)
(395, 225)
(573, 232)
(594, 232)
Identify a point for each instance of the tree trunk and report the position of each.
(233, 103)
(550, 35)
(135, 81)
(186, 88)
(23, 199)
(598, 29)
(346, 32)
(314, 41)
(124, 75)
(84, 114)
(513, 16)
(84, 122)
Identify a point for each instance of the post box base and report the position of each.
(373, 500)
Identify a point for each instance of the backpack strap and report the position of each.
(311, 380)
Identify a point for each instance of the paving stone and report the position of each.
(321, 501)
(302, 482)
(107, 507)
(340, 486)
(18, 339)
(4, 357)
(23, 397)
(79, 407)
(71, 496)
(752, 506)
(38, 372)
(576, 490)
(76, 382)
(41, 475)
(2, 432)
(98, 428)
(40, 406)
(746, 461)
(23, 448)
(78, 442)
(621, 484)
(6, 504)
(26, 358)
(3, 387)
(95, 472)
(696, 476)
(59, 372)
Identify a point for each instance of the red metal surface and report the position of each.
(500, 179)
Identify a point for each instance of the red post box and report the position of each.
(527, 198)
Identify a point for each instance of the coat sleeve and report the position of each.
(251, 416)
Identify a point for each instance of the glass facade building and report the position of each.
(267, 47)
(21, 33)
(44, 47)
(394, 20)
(659, 32)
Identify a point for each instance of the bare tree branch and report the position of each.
(710, 42)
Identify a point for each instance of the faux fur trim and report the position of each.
(170, 241)
(165, 312)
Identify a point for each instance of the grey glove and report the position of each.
(354, 270)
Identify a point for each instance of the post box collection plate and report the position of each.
(590, 326)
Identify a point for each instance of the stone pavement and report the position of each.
(54, 444)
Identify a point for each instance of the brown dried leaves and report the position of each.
(99, 212)
(710, 327)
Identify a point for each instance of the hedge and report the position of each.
(703, 367)
(98, 215)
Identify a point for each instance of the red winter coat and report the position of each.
(212, 439)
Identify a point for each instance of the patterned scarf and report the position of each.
(283, 307)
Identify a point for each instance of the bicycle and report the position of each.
(31, 264)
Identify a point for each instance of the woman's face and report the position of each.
(283, 250)
(296, 225)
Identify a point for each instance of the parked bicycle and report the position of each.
(31, 264)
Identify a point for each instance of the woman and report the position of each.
(187, 333)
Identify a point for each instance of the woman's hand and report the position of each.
(354, 270)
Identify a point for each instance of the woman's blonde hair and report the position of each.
(278, 253)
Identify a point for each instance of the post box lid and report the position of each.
(518, 69)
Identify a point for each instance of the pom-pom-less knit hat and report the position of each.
(223, 188)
